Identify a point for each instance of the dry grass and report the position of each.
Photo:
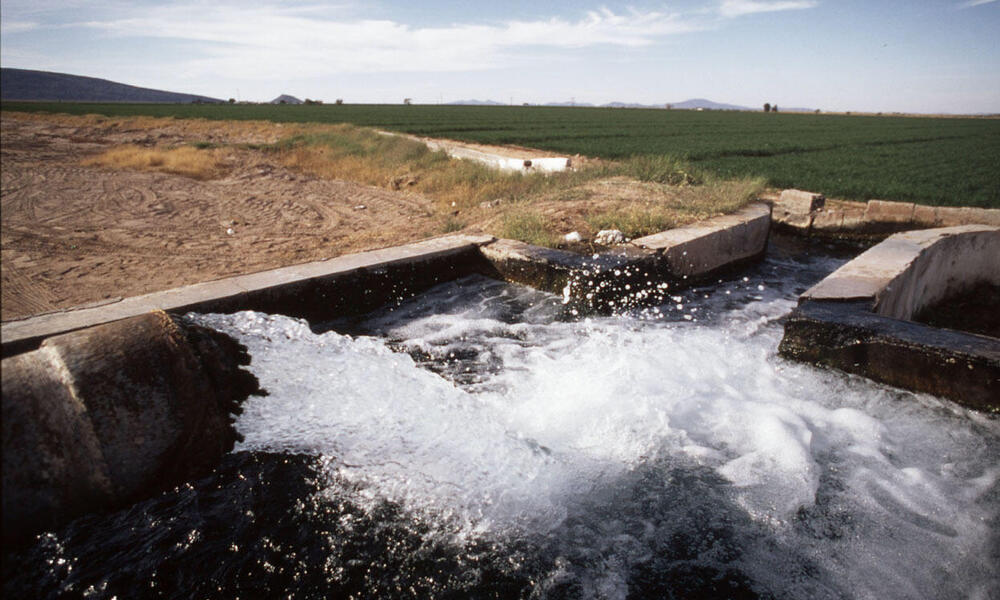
(638, 196)
(527, 225)
(186, 160)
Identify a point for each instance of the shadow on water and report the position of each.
(257, 528)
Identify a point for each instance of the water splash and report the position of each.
(590, 434)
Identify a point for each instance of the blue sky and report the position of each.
(891, 55)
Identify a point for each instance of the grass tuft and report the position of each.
(528, 226)
(187, 160)
(664, 169)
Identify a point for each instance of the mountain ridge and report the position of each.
(30, 84)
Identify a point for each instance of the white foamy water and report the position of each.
(830, 485)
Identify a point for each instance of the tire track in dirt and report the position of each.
(73, 234)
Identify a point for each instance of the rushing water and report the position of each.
(476, 443)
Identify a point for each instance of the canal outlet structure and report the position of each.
(446, 434)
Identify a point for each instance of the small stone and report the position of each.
(609, 237)
(573, 237)
(230, 231)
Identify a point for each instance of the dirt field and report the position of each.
(74, 235)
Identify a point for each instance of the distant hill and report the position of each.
(631, 105)
(696, 103)
(477, 103)
(25, 84)
(286, 99)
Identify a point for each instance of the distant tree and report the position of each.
(669, 106)
(340, 101)
(767, 107)
(774, 108)
(407, 100)
(232, 100)
(817, 111)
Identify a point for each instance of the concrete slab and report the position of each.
(859, 318)
(272, 288)
(699, 249)
(498, 161)
(883, 211)
(888, 272)
(799, 202)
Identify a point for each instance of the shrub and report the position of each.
(662, 169)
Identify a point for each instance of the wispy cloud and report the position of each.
(258, 42)
(972, 3)
(9, 26)
(738, 8)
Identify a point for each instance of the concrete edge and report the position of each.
(303, 290)
(641, 272)
(874, 219)
(547, 164)
(356, 283)
(848, 336)
(858, 319)
(880, 270)
(699, 249)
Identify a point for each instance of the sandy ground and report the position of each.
(75, 235)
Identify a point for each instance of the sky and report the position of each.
(837, 55)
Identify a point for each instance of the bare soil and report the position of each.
(74, 235)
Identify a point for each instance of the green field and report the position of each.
(946, 161)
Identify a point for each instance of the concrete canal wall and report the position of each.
(859, 319)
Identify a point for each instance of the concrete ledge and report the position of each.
(911, 270)
(355, 284)
(699, 250)
(857, 319)
(597, 283)
(548, 164)
(346, 285)
(873, 219)
(504, 163)
(962, 367)
(641, 273)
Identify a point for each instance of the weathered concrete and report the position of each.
(962, 367)
(117, 402)
(550, 164)
(699, 250)
(911, 270)
(889, 213)
(799, 202)
(97, 418)
(350, 284)
(354, 284)
(638, 273)
(874, 219)
(857, 319)
(601, 282)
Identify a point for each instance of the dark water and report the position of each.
(485, 445)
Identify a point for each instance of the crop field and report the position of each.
(944, 161)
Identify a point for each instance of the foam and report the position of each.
(892, 493)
